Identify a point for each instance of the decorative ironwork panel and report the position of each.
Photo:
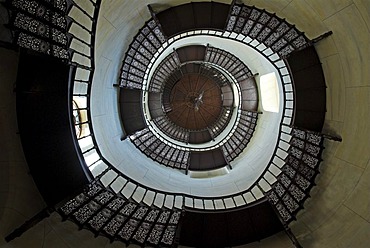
(231, 23)
(142, 232)
(284, 213)
(38, 45)
(290, 203)
(297, 143)
(73, 204)
(295, 152)
(114, 224)
(285, 180)
(172, 130)
(254, 15)
(310, 160)
(103, 197)
(239, 25)
(312, 149)
(300, 42)
(140, 212)
(156, 234)
(149, 39)
(32, 25)
(163, 218)
(286, 51)
(263, 34)
(152, 215)
(99, 220)
(235, 10)
(169, 235)
(314, 138)
(86, 212)
(292, 161)
(128, 209)
(298, 194)
(242, 135)
(276, 33)
(256, 30)
(116, 204)
(273, 198)
(128, 229)
(279, 189)
(300, 170)
(175, 217)
(299, 133)
(307, 172)
(40, 11)
(291, 35)
(289, 171)
(303, 183)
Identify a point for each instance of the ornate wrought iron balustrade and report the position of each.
(105, 213)
(298, 175)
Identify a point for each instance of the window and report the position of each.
(269, 92)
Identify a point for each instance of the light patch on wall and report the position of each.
(269, 92)
(210, 173)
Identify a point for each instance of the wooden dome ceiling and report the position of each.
(195, 101)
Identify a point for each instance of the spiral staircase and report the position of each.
(57, 64)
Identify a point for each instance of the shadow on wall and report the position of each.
(19, 197)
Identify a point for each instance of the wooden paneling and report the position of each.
(227, 96)
(233, 228)
(191, 53)
(199, 137)
(130, 110)
(155, 105)
(192, 16)
(207, 160)
(310, 89)
(249, 94)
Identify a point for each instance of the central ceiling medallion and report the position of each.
(195, 102)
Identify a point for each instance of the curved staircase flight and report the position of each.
(121, 209)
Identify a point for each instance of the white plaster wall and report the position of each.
(338, 213)
(124, 156)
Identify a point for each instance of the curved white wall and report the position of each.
(124, 156)
(338, 213)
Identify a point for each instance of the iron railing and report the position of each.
(121, 183)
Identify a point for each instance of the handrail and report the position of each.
(111, 215)
(80, 66)
(139, 192)
(186, 197)
(268, 56)
(236, 79)
(293, 185)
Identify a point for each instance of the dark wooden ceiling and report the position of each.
(196, 102)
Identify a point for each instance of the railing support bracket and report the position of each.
(321, 37)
